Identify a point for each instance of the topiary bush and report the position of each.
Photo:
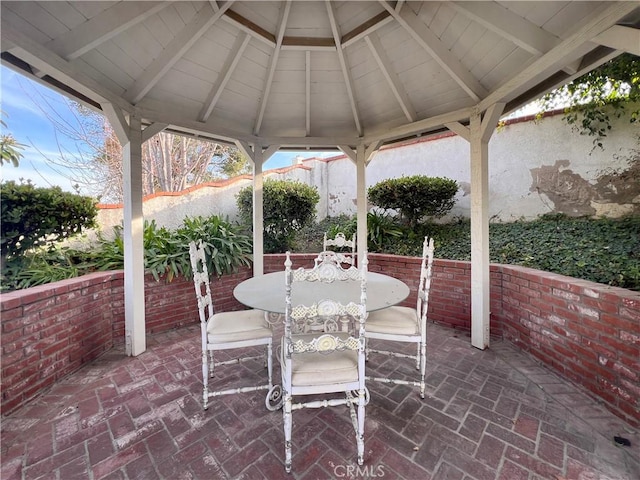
(288, 207)
(415, 197)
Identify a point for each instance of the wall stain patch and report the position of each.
(616, 192)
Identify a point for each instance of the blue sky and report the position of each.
(30, 126)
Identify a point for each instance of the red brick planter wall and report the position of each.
(589, 333)
(52, 330)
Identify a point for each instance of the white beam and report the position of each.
(459, 129)
(480, 278)
(418, 127)
(245, 148)
(343, 66)
(310, 142)
(134, 301)
(189, 34)
(508, 25)
(152, 130)
(225, 75)
(273, 63)
(529, 76)
(307, 91)
(367, 31)
(258, 214)
(397, 89)
(118, 122)
(268, 152)
(361, 200)
(104, 26)
(349, 152)
(371, 151)
(620, 38)
(490, 120)
(44, 60)
(434, 47)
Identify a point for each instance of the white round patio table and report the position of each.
(267, 292)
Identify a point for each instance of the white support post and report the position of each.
(258, 214)
(479, 235)
(480, 131)
(361, 200)
(134, 301)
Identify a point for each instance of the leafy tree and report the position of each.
(10, 147)
(33, 217)
(288, 207)
(615, 83)
(235, 163)
(169, 162)
(415, 197)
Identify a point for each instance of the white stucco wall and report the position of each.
(535, 167)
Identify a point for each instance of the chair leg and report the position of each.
(205, 380)
(423, 367)
(211, 363)
(360, 433)
(270, 364)
(418, 356)
(288, 421)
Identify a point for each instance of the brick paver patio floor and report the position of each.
(493, 414)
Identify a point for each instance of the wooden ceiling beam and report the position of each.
(273, 62)
(225, 75)
(343, 65)
(620, 38)
(398, 90)
(530, 76)
(508, 25)
(189, 34)
(97, 30)
(434, 47)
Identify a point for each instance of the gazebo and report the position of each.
(345, 75)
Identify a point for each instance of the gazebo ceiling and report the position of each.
(310, 73)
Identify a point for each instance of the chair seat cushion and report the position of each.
(313, 369)
(237, 326)
(393, 320)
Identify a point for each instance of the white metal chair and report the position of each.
(226, 330)
(340, 242)
(405, 324)
(323, 353)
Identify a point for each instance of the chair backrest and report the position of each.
(325, 321)
(201, 280)
(340, 242)
(425, 280)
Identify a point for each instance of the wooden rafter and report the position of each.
(189, 34)
(528, 77)
(343, 65)
(225, 75)
(88, 35)
(508, 25)
(620, 38)
(307, 91)
(273, 62)
(392, 79)
(433, 46)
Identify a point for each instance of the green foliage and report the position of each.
(32, 217)
(9, 147)
(166, 253)
(382, 232)
(415, 197)
(288, 207)
(615, 83)
(601, 250)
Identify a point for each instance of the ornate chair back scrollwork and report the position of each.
(226, 330)
(322, 350)
(405, 324)
(341, 246)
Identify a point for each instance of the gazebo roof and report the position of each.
(310, 74)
